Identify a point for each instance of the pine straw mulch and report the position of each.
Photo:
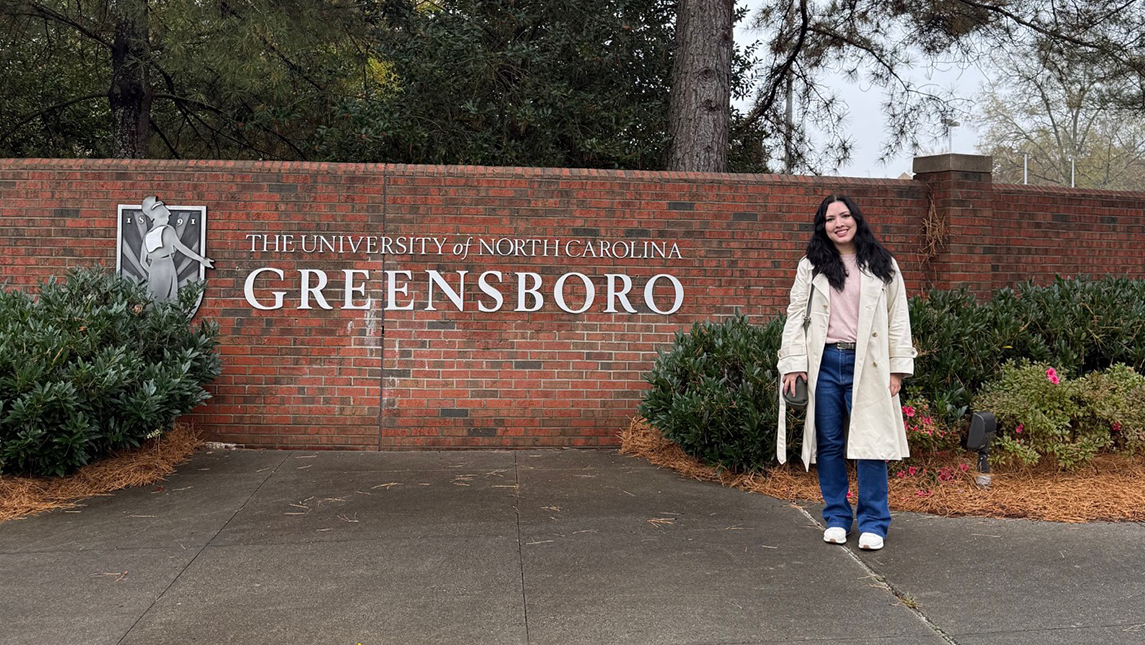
(147, 464)
(1111, 488)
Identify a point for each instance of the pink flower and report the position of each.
(1116, 426)
(1052, 375)
(927, 420)
(911, 471)
(850, 495)
(900, 474)
(1018, 430)
(923, 493)
(908, 410)
(964, 467)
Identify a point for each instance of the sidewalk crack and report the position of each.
(520, 548)
(904, 600)
(201, 549)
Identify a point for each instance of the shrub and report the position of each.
(715, 392)
(1041, 414)
(91, 366)
(926, 432)
(950, 332)
(1077, 324)
(1083, 325)
(1115, 400)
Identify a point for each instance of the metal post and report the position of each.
(1071, 173)
(983, 476)
(950, 124)
(1026, 168)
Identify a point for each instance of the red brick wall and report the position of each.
(388, 378)
(1046, 231)
(960, 216)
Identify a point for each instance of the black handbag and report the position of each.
(799, 398)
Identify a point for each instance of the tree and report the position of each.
(521, 82)
(1054, 122)
(504, 82)
(873, 43)
(700, 108)
(129, 97)
(499, 82)
(226, 78)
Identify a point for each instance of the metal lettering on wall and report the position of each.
(162, 246)
(268, 287)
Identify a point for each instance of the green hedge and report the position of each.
(91, 366)
(715, 391)
(1076, 325)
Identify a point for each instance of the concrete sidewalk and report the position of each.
(560, 547)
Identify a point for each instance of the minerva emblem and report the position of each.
(162, 246)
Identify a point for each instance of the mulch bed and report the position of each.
(151, 462)
(1111, 488)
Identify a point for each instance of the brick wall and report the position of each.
(1048, 231)
(390, 377)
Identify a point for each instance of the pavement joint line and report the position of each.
(107, 550)
(1128, 627)
(201, 550)
(413, 537)
(847, 639)
(520, 552)
(904, 600)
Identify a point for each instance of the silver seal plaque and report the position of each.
(163, 247)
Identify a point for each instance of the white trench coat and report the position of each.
(882, 347)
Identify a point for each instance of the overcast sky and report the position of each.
(866, 121)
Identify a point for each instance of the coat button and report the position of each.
(875, 334)
(875, 363)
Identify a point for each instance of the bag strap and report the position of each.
(807, 314)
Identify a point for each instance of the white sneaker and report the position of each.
(870, 542)
(835, 535)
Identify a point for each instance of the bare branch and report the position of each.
(1054, 34)
(764, 105)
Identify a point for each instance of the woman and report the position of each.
(157, 255)
(854, 352)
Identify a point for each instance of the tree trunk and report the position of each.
(130, 94)
(701, 86)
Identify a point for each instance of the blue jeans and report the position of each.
(832, 416)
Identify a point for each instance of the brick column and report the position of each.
(958, 228)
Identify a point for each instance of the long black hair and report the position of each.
(825, 258)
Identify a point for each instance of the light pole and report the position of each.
(949, 124)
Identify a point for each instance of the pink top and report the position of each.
(844, 324)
